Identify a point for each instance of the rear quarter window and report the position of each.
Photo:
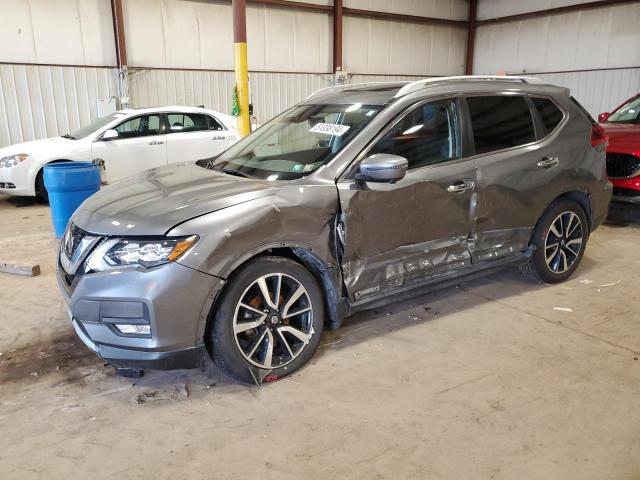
(500, 121)
(550, 114)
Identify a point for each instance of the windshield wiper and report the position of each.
(237, 173)
(66, 135)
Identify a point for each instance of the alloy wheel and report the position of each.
(273, 321)
(563, 242)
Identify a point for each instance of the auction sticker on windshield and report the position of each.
(330, 129)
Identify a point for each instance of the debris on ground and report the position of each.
(34, 374)
(563, 309)
(586, 281)
(148, 396)
(610, 284)
(208, 387)
(436, 314)
(414, 317)
(23, 270)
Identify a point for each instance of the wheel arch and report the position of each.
(582, 198)
(40, 171)
(327, 276)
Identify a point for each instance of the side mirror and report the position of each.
(383, 167)
(110, 135)
(603, 116)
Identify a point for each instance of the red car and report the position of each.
(622, 126)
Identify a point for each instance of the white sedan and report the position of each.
(123, 143)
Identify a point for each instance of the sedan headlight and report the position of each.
(118, 252)
(13, 160)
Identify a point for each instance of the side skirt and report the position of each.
(475, 271)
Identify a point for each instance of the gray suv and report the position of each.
(359, 196)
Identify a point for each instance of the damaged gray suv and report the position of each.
(358, 196)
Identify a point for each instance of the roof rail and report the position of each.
(419, 84)
(337, 88)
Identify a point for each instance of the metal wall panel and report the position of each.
(63, 32)
(198, 35)
(271, 93)
(38, 102)
(601, 38)
(598, 91)
(503, 8)
(373, 46)
(449, 9)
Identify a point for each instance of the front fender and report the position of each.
(294, 217)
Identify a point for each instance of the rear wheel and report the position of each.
(560, 239)
(41, 190)
(270, 319)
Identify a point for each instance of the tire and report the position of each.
(41, 191)
(557, 254)
(245, 324)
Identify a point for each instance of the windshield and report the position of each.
(627, 113)
(295, 143)
(93, 126)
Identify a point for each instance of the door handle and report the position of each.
(156, 142)
(549, 162)
(461, 186)
(219, 137)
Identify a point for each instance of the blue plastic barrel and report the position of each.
(68, 185)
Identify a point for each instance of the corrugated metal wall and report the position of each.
(271, 93)
(181, 52)
(606, 37)
(57, 32)
(597, 50)
(374, 46)
(199, 35)
(600, 90)
(40, 101)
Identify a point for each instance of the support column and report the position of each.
(241, 68)
(121, 53)
(337, 36)
(471, 36)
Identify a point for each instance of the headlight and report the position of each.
(13, 160)
(119, 252)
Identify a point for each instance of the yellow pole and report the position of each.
(242, 71)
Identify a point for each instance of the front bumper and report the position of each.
(173, 299)
(17, 180)
(626, 190)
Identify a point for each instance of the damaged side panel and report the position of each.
(397, 235)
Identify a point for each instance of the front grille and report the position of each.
(621, 165)
(72, 239)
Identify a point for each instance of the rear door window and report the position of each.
(550, 114)
(188, 122)
(500, 121)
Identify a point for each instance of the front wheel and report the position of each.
(560, 239)
(41, 190)
(270, 318)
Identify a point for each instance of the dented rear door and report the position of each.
(396, 236)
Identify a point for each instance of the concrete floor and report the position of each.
(498, 378)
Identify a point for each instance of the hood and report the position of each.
(155, 201)
(48, 145)
(623, 137)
